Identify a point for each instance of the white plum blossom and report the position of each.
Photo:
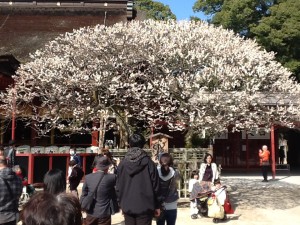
(188, 74)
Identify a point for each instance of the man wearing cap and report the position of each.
(100, 213)
(138, 184)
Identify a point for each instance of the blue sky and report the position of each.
(183, 9)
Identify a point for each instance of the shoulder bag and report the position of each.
(215, 209)
(87, 201)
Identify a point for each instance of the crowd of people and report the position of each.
(137, 186)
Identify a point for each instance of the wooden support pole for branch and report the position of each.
(273, 152)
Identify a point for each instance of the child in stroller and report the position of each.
(204, 199)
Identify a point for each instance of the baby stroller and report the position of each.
(211, 204)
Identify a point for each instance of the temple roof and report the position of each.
(26, 26)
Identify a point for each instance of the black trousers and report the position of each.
(144, 219)
(9, 223)
(265, 172)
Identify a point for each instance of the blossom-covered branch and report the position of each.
(187, 74)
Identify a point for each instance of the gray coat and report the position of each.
(105, 192)
(10, 192)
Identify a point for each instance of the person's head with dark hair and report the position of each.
(195, 174)
(44, 208)
(107, 153)
(71, 208)
(55, 181)
(217, 181)
(137, 140)
(166, 161)
(208, 158)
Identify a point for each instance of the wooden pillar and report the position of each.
(273, 152)
(95, 133)
(247, 151)
(150, 144)
(95, 137)
(50, 163)
(30, 168)
(13, 116)
(2, 133)
(33, 134)
(52, 137)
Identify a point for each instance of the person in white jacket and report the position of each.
(208, 172)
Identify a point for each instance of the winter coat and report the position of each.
(75, 177)
(214, 169)
(10, 192)
(137, 183)
(168, 185)
(104, 193)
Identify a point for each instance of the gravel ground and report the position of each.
(275, 202)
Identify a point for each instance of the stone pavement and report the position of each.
(276, 202)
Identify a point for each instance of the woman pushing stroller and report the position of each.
(206, 187)
(207, 174)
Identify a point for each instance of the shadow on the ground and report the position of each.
(275, 194)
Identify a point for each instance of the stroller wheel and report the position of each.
(215, 220)
(194, 216)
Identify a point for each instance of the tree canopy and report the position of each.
(273, 23)
(155, 10)
(189, 75)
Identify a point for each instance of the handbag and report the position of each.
(228, 207)
(87, 202)
(215, 209)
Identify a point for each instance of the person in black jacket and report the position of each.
(101, 211)
(10, 192)
(75, 177)
(138, 184)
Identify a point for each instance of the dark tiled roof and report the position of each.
(8, 65)
(27, 26)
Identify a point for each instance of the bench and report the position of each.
(283, 167)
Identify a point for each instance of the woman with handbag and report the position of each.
(168, 177)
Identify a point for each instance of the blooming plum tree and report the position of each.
(188, 74)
